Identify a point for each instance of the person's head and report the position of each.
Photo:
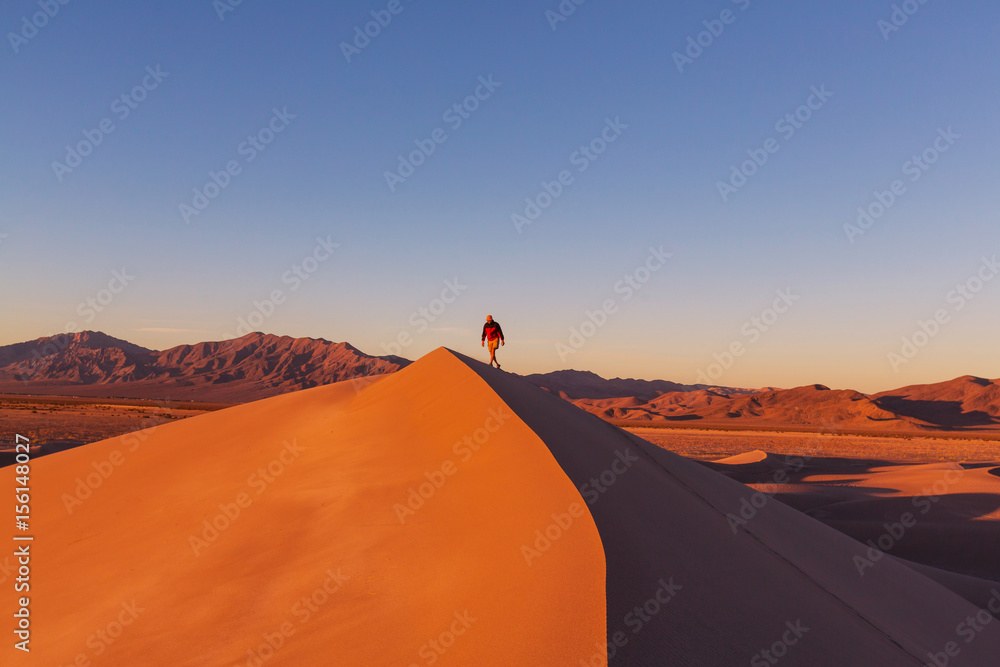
(489, 318)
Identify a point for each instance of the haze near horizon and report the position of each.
(764, 195)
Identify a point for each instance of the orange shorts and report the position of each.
(493, 344)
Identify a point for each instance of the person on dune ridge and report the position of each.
(493, 333)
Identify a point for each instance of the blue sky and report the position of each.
(343, 125)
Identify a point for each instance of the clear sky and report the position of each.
(622, 122)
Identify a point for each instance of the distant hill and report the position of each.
(572, 384)
(253, 366)
(88, 357)
(965, 404)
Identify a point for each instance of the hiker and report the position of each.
(493, 333)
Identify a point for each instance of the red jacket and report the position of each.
(492, 330)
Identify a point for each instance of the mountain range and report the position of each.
(243, 369)
(964, 404)
(260, 365)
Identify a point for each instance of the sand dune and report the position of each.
(543, 536)
(753, 456)
(322, 473)
(954, 508)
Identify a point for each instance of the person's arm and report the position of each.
(500, 333)
(484, 336)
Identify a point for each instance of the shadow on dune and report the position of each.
(945, 414)
(8, 456)
(795, 467)
(947, 531)
(965, 546)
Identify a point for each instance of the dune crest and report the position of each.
(755, 456)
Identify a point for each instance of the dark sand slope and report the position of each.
(665, 516)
